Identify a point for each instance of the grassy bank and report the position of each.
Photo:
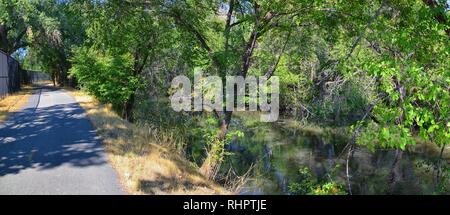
(14, 102)
(143, 158)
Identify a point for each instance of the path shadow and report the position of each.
(48, 137)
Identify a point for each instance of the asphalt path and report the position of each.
(50, 147)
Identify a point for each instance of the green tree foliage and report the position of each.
(117, 31)
(104, 75)
(412, 78)
(15, 19)
(380, 67)
(21, 22)
(307, 185)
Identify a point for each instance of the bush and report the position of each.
(306, 185)
(104, 75)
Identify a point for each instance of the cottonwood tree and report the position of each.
(20, 21)
(41, 27)
(14, 23)
(407, 53)
(122, 39)
(228, 34)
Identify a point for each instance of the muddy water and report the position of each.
(279, 153)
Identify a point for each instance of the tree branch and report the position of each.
(179, 20)
(377, 13)
(18, 43)
(272, 69)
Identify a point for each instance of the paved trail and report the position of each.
(50, 147)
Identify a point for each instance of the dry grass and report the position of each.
(14, 102)
(145, 164)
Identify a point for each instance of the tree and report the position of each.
(14, 23)
(119, 32)
(20, 21)
(410, 64)
(236, 32)
(377, 66)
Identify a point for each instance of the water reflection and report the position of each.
(280, 153)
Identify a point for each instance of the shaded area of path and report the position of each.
(50, 147)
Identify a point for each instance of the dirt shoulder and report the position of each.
(12, 103)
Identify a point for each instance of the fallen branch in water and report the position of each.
(351, 145)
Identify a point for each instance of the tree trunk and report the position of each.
(54, 79)
(4, 38)
(65, 66)
(347, 169)
(439, 168)
(211, 164)
(395, 174)
(225, 124)
(127, 112)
